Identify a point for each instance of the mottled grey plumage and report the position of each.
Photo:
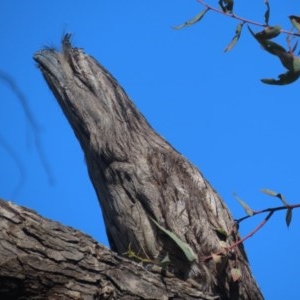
(138, 176)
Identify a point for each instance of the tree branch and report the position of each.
(42, 259)
(247, 21)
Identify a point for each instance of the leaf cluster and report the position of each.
(286, 206)
(288, 59)
(226, 239)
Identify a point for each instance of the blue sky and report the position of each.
(210, 105)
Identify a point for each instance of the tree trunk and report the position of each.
(157, 206)
(41, 259)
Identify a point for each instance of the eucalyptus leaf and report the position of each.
(252, 32)
(236, 274)
(275, 194)
(282, 198)
(268, 45)
(295, 20)
(234, 40)
(246, 207)
(288, 61)
(227, 6)
(269, 192)
(194, 20)
(296, 64)
(295, 47)
(286, 78)
(288, 217)
(268, 33)
(272, 47)
(184, 247)
(267, 12)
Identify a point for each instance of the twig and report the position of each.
(232, 15)
(6, 78)
(270, 211)
(273, 209)
(251, 233)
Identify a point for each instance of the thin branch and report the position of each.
(6, 78)
(234, 16)
(270, 211)
(251, 233)
(273, 209)
(219, 11)
(240, 241)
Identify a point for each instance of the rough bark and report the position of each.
(41, 259)
(139, 177)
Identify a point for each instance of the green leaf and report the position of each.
(184, 247)
(227, 6)
(289, 61)
(234, 40)
(252, 32)
(269, 192)
(268, 33)
(284, 79)
(296, 64)
(295, 21)
(295, 47)
(267, 13)
(269, 46)
(194, 20)
(236, 274)
(246, 207)
(275, 194)
(272, 47)
(288, 217)
(282, 198)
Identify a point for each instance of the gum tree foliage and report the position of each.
(291, 62)
(287, 55)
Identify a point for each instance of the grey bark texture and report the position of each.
(42, 259)
(155, 203)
